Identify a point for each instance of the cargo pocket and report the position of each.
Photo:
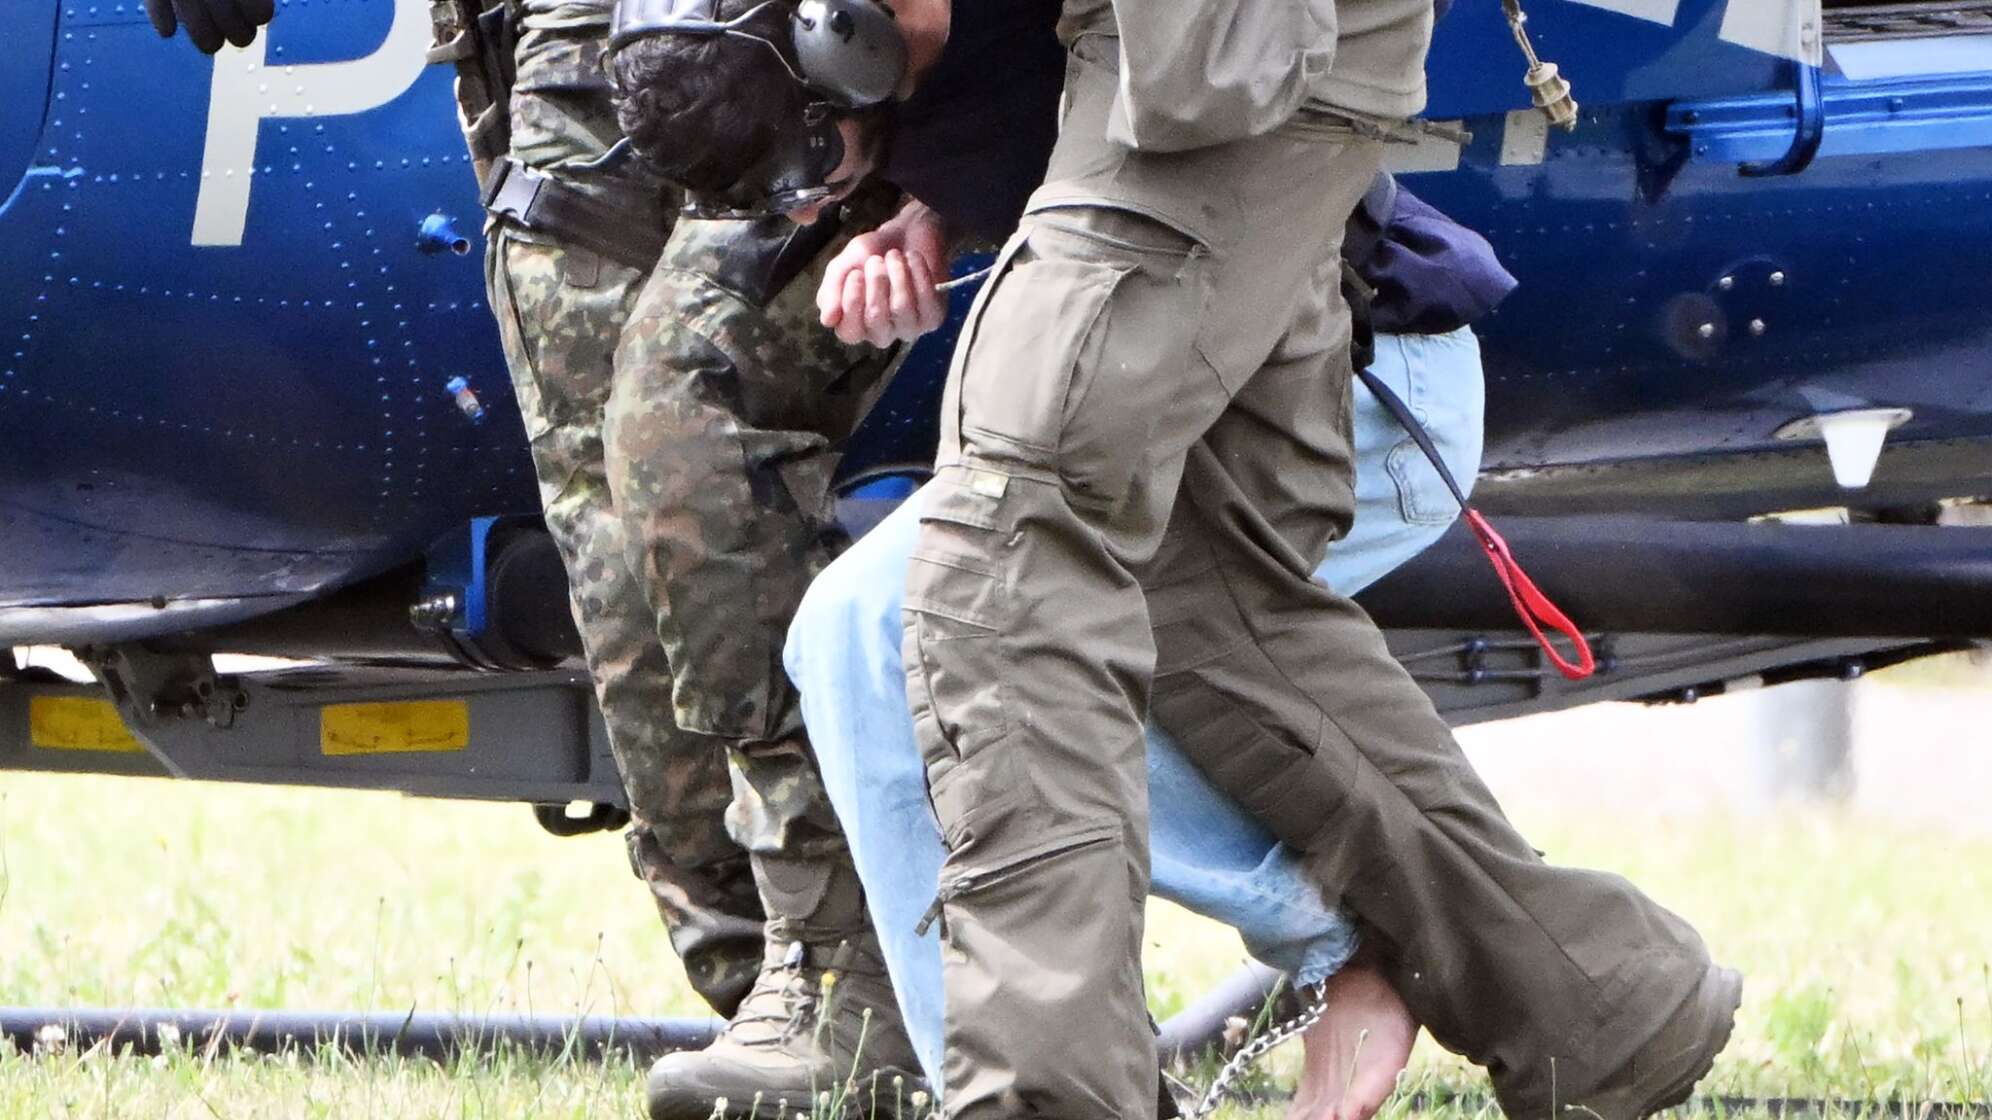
(1086, 339)
(1042, 963)
(984, 883)
(559, 325)
(971, 328)
(957, 604)
(1017, 379)
(521, 362)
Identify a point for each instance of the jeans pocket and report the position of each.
(1422, 496)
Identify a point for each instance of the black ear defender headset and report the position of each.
(849, 55)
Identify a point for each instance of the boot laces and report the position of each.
(793, 990)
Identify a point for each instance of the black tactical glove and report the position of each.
(209, 22)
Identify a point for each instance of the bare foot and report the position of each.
(1354, 1054)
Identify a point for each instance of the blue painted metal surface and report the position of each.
(1863, 271)
(1808, 126)
(185, 420)
(1888, 117)
(24, 93)
(1610, 58)
(182, 420)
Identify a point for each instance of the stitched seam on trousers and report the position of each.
(1238, 713)
(1192, 666)
(1012, 441)
(955, 616)
(962, 518)
(957, 563)
(920, 604)
(1364, 759)
(1088, 834)
(920, 640)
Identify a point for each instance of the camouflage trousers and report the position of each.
(684, 428)
(559, 314)
(729, 412)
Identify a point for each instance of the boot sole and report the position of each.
(680, 1100)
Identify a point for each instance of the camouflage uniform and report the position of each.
(730, 406)
(685, 477)
(560, 310)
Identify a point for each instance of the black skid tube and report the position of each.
(1202, 1024)
(426, 1034)
(1694, 577)
(443, 1036)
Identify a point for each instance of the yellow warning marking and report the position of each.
(78, 723)
(397, 728)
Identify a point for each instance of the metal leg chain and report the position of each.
(1221, 1086)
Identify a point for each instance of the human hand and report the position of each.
(210, 22)
(880, 288)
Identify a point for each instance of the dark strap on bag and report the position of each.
(543, 204)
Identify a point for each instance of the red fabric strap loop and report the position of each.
(1535, 609)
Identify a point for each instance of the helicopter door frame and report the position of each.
(24, 99)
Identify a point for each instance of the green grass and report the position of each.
(1866, 946)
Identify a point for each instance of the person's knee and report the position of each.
(823, 618)
(854, 598)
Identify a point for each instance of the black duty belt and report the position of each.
(543, 204)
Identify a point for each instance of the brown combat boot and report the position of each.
(821, 1028)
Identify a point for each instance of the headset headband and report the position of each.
(848, 52)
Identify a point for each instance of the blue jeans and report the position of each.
(1206, 853)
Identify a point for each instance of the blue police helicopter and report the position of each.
(251, 400)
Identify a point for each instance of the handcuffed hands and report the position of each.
(880, 288)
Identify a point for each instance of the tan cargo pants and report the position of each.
(1148, 425)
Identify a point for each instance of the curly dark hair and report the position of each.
(703, 109)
